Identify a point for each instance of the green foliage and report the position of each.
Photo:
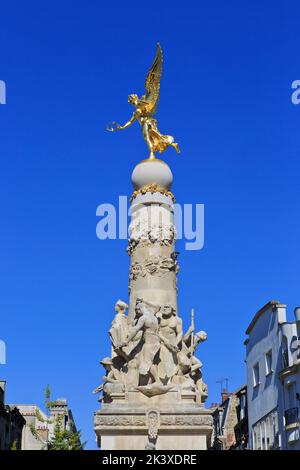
(47, 393)
(64, 439)
(14, 445)
(33, 430)
(41, 418)
(48, 402)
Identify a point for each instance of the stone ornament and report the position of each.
(153, 420)
(156, 265)
(152, 188)
(143, 235)
(121, 420)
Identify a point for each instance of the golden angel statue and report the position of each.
(146, 107)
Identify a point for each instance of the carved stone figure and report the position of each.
(187, 361)
(148, 324)
(201, 387)
(131, 375)
(112, 381)
(170, 333)
(119, 327)
(189, 373)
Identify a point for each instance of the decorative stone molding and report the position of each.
(186, 420)
(153, 420)
(152, 188)
(142, 235)
(120, 420)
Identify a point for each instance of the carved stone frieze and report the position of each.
(153, 420)
(186, 420)
(120, 420)
(143, 235)
(156, 265)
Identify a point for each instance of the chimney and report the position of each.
(225, 394)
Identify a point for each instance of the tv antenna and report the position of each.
(221, 382)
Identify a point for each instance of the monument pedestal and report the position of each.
(171, 421)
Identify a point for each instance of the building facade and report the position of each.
(231, 421)
(290, 379)
(11, 423)
(241, 430)
(273, 381)
(35, 432)
(39, 427)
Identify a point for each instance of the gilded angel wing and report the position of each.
(152, 83)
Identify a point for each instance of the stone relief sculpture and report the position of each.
(153, 422)
(151, 354)
(141, 234)
(156, 264)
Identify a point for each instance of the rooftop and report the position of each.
(267, 306)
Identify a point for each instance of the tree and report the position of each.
(65, 439)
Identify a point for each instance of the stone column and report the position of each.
(153, 260)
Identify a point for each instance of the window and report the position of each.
(254, 440)
(292, 395)
(258, 446)
(269, 369)
(257, 437)
(242, 406)
(256, 375)
(285, 352)
(265, 432)
(268, 433)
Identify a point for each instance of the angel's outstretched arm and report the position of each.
(114, 126)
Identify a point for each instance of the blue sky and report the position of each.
(225, 95)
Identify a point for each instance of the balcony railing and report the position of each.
(291, 416)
